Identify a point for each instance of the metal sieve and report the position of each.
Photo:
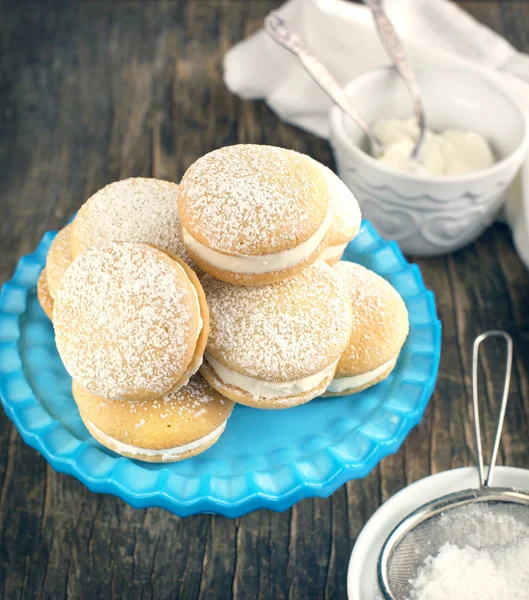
(485, 518)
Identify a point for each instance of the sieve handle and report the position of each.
(486, 481)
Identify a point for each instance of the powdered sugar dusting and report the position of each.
(187, 402)
(252, 199)
(123, 321)
(283, 331)
(133, 210)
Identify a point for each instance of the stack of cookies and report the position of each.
(171, 303)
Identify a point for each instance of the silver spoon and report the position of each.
(280, 32)
(395, 49)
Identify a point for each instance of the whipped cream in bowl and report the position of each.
(448, 152)
(478, 139)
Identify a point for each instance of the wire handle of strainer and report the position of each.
(485, 481)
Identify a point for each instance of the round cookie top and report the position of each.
(58, 259)
(126, 321)
(252, 200)
(176, 419)
(380, 320)
(138, 209)
(343, 206)
(280, 332)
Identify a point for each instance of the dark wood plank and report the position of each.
(92, 91)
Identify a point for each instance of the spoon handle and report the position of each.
(394, 47)
(281, 33)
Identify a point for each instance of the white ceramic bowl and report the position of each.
(431, 215)
(362, 575)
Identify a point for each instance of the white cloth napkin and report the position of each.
(342, 35)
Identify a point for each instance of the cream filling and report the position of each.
(166, 453)
(265, 263)
(333, 252)
(259, 388)
(450, 152)
(341, 384)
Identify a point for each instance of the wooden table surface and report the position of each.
(93, 91)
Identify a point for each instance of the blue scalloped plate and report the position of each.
(265, 459)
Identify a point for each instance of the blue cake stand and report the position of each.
(265, 459)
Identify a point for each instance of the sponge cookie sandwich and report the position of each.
(254, 215)
(177, 426)
(276, 346)
(131, 322)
